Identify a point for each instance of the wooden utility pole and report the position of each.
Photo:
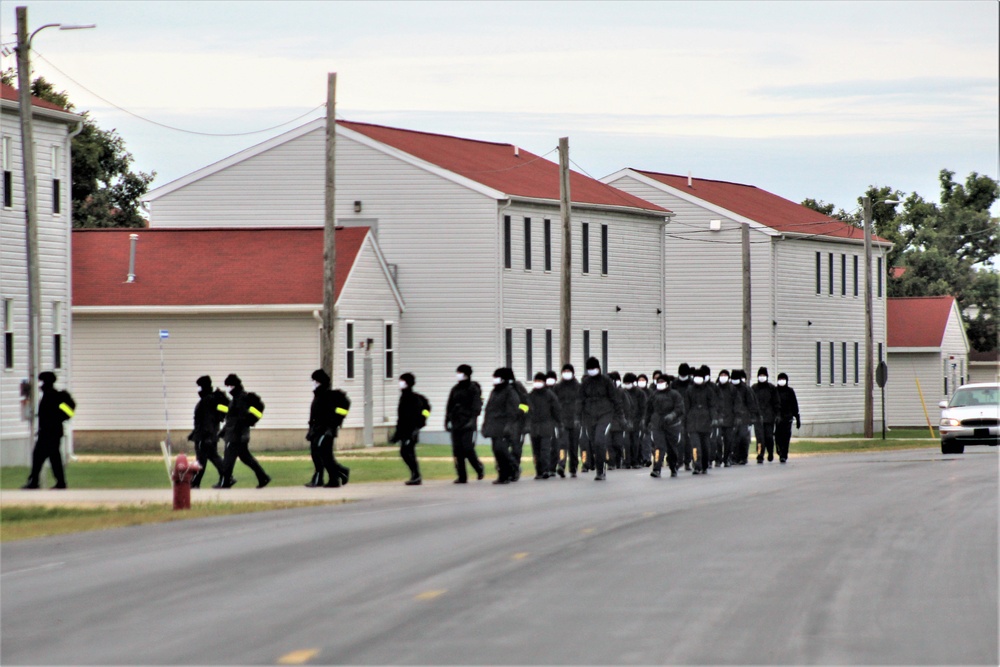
(566, 292)
(866, 206)
(329, 335)
(747, 322)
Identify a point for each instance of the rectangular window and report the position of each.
(508, 348)
(604, 350)
(880, 351)
(843, 275)
(833, 363)
(604, 250)
(843, 363)
(855, 275)
(349, 350)
(527, 244)
(8, 166)
(390, 352)
(547, 226)
(8, 189)
(830, 277)
(819, 273)
(857, 363)
(944, 374)
(585, 251)
(8, 334)
(506, 242)
(528, 372)
(548, 349)
(56, 174)
(879, 277)
(586, 345)
(56, 202)
(57, 329)
(819, 361)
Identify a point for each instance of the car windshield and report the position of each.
(975, 396)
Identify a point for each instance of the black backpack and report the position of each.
(256, 410)
(66, 406)
(425, 410)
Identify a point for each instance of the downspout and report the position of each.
(499, 341)
(68, 316)
(663, 291)
(775, 349)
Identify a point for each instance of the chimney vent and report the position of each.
(690, 183)
(131, 258)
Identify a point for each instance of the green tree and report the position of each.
(105, 192)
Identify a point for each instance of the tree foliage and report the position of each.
(945, 248)
(105, 191)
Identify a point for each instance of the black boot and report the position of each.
(317, 480)
(345, 475)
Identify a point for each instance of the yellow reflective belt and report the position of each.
(222, 408)
(426, 413)
(523, 407)
(255, 412)
(65, 408)
(342, 411)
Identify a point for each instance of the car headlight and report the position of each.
(950, 421)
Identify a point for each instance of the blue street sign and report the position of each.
(164, 334)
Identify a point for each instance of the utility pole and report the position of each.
(566, 292)
(30, 211)
(747, 326)
(329, 335)
(866, 205)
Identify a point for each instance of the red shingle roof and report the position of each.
(498, 166)
(918, 321)
(208, 267)
(11, 93)
(751, 202)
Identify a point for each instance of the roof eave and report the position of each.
(611, 208)
(52, 114)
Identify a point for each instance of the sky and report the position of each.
(802, 99)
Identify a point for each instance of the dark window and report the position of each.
(819, 273)
(843, 275)
(527, 354)
(855, 275)
(585, 259)
(843, 363)
(819, 361)
(349, 349)
(8, 350)
(547, 226)
(830, 257)
(833, 363)
(586, 344)
(857, 363)
(604, 250)
(57, 350)
(548, 349)
(506, 242)
(508, 348)
(56, 208)
(604, 351)
(8, 189)
(389, 352)
(527, 244)
(880, 277)
(880, 351)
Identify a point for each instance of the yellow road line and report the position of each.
(521, 555)
(430, 595)
(298, 657)
(587, 531)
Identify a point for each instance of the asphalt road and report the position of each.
(875, 559)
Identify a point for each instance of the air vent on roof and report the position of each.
(690, 182)
(131, 258)
(517, 152)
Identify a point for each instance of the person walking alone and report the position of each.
(54, 409)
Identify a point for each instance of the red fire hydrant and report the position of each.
(183, 473)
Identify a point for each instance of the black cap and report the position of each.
(629, 378)
(551, 374)
(321, 376)
(205, 382)
(233, 380)
(723, 372)
(569, 367)
(408, 379)
(762, 370)
(615, 376)
(782, 376)
(47, 378)
(539, 377)
(592, 362)
(683, 369)
(466, 369)
(499, 373)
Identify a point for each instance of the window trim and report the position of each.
(388, 351)
(349, 349)
(58, 308)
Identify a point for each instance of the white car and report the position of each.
(971, 417)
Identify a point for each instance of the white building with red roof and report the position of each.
(928, 357)
(807, 284)
(472, 229)
(235, 300)
(54, 128)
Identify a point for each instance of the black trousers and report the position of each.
(727, 444)
(701, 449)
(569, 448)
(517, 449)
(541, 450)
(205, 450)
(599, 436)
(742, 443)
(617, 454)
(765, 440)
(408, 452)
(504, 459)
(667, 444)
(238, 446)
(633, 448)
(782, 436)
(323, 446)
(464, 449)
(47, 447)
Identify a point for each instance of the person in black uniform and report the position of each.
(634, 420)
(616, 447)
(465, 402)
(767, 406)
(699, 415)
(245, 410)
(744, 415)
(209, 412)
(326, 413)
(645, 438)
(787, 411)
(523, 425)
(568, 392)
(681, 384)
(664, 419)
(600, 404)
(501, 423)
(726, 395)
(411, 416)
(543, 417)
(54, 408)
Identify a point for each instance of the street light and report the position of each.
(866, 205)
(31, 199)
